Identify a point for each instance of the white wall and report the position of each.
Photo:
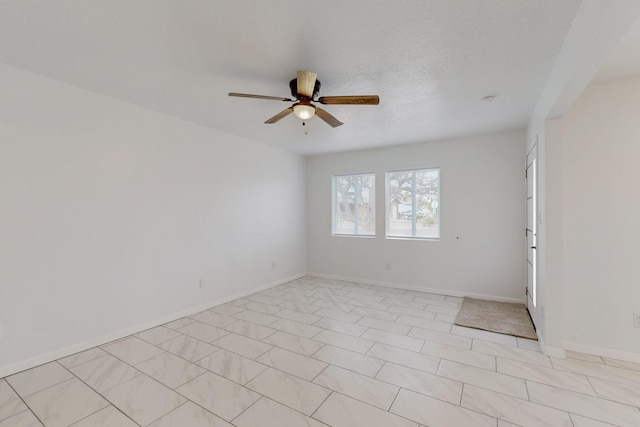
(482, 245)
(597, 142)
(111, 214)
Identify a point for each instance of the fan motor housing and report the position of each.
(293, 85)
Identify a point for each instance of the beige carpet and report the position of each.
(501, 317)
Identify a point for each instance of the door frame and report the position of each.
(531, 239)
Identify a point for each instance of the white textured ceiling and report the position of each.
(430, 61)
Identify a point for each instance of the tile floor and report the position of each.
(316, 352)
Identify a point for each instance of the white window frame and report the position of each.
(413, 236)
(334, 201)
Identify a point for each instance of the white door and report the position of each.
(532, 225)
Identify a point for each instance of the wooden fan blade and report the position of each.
(324, 115)
(273, 98)
(306, 83)
(282, 114)
(358, 100)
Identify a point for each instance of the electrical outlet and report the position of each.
(388, 266)
(636, 320)
(201, 283)
(273, 265)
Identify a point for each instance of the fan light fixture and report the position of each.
(304, 111)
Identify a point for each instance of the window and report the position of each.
(354, 204)
(413, 204)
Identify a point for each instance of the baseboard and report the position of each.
(417, 288)
(603, 352)
(85, 345)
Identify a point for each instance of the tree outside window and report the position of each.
(413, 204)
(354, 205)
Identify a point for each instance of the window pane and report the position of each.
(354, 204)
(413, 199)
(427, 203)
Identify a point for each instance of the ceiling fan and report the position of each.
(305, 90)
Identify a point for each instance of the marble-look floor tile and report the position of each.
(436, 413)
(484, 335)
(251, 330)
(294, 343)
(338, 315)
(22, 419)
(299, 306)
(65, 403)
(277, 414)
(437, 300)
(472, 358)
(232, 366)
(177, 324)
(292, 363)
(10, 402)
(224, 398)
(257, 317)
(360, 387)
(36, 379)
(431, 324)
(227, 309)
(298, 316)
(411, 312)
(265, 299)
(549, 376)
(105, 373)
(623, 393)
(243, 345)
(170, 369)
(107, 417)
(380, 314)
(579, 421)
(212, 318)
(529, 344)
(441, 309)
(203, 332)
(262, 308)
(509, 352)
(446, 318)
(385, 325)
(513, 410)
(342, 411)
(588, 406)
(144, 400)
(407, 303)
(157, 335)
(347, 342)
(421, 382)
(622, 364)
(289, 390)
(333, 305)
(82, 357)
(349, 360)
(296, 328)
(188, 348)
(582, 356)
(339, 326)
(368, 303)
(408, 343)
(190, 415)
(441, 337)
(596, 370)
(132, 350)
(490, 380)
(403, 357)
